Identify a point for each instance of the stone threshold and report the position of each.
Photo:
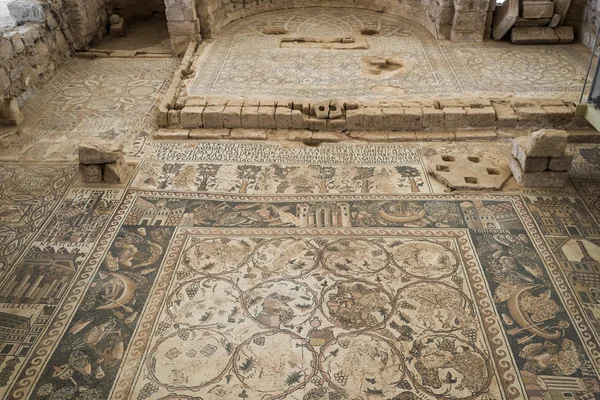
(316, 137)
(424, 115)
(121, 54)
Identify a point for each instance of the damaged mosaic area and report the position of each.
(247, 270)
(333, 53)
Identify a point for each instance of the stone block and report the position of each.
(191, 117)
(320, 110)
(336, 110)
(559, 115)
(555, 21)
(565, 34)
(114, 19)
(531, 117)
(248, 134)
(208, 134)
(23, 11)
(505, 115)
(249, 117)
(336, 125)
(454, 117)
(316, 124)
(435, 136)
(537, 9)
(537, 179)
(528, 164)
(504, 18)
(91, 173)
(475, 135)
(533, 36)
(331, 137)
(171, 134)
(433, 118)
(546, 143)
(392, 119)
(118, 29)
(232, 117)
(355, 119)
(283, 117)
(298, 120)
(524, 22)
(413, 118)
(561, 163)
(10, 113)
(372, 120)
(174, 118)
(99, 151)
(212, 117)
(116, 172)
(481, 117)
(266, 117)
(402, 136)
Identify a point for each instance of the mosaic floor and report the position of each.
(237, 270)
(248, 59)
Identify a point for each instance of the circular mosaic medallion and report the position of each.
(425, 260)
(355, 257)
(217, 256)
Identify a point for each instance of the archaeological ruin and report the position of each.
(299, 199)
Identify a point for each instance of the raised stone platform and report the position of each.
(368, 71)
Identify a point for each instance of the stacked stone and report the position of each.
(102, 161)
(541, 159)
(117, 26)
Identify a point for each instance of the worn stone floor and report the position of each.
(257, 57)
(269, 270)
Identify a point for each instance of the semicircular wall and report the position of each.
(458, 20)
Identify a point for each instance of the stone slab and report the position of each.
(504, 18)
(546, 143)
(565, 34)
(98, 151)
(91, 173)
(537, 9)
(561, 163)
(468, 172)
(116, 172)
(529, 164)
(533, 36)
(537, 179)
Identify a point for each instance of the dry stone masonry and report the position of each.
(541, 159)
(102, 161)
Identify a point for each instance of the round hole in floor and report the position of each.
(321, 108)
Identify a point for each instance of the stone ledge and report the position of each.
(408, 116)
(383, 136)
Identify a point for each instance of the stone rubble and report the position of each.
(102, 161)
(541, 159)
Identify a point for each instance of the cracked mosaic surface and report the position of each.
(265, 270)
(243, 61)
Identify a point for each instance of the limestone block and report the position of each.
(464, 171)
(232, 117)
(99, 151)
(91, 173)
(283, 117)
(355, 119)
(454, 117)
(565, 34)
(23, 11)
(116, 172)
(174, 118)
(249, 117)
(413, 118)
(203, 134)
(505, 115)
(561, 163)
(534, 116)
(182, 28)
(114, 19)
(537, 179)
(533, 36)
(171, 134)
(475, 135)
(336, 110)
(118, 29)
(336, 125)
(392, 119)
(481, 117)
(212, 117)
(401, 136)
(315, 124)
(537, 9)
(320, 110)
(524, 22)
(546, 143)
(298, 120)
(372, 118)
(561, 7)
(328, 137)
(433, 118)
(191, 117)
(266, 117)
(559, 115)
(528, 164)
(555, 21)
(248, 134)
(504, 18)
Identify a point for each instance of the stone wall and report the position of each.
(31, 53)
(459, 20)
(584, 17)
